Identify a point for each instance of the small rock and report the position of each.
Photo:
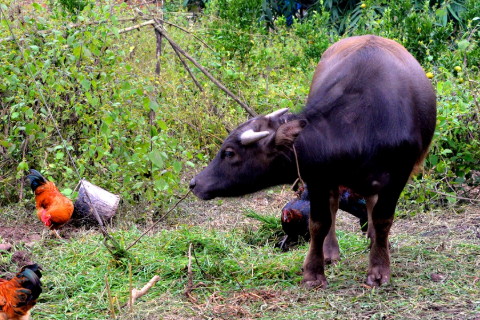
(30, 244)
(5, 247)
(437, 277)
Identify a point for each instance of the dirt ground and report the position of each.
(229, 213)
(16, 237)
(225, 214)
(452, 224)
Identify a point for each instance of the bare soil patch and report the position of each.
(25, 234)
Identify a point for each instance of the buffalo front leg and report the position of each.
(320, 222)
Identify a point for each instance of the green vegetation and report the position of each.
(66, 68)
(435, 275)
(137, 133)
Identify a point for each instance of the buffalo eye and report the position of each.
(228, 153)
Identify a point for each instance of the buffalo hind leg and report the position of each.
(381, 219)
(371, 201)
(319, 225)
(331, 251)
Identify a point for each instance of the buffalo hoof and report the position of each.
(315, 282)
(331, 254)
(331, 259)
(377, 276)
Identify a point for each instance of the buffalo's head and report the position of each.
(254, 156)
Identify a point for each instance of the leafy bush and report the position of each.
(243, 14)
(81, 81)
(73, 6)
(138, 134)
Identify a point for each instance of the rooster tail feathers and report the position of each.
(36, 179)
(32, 274)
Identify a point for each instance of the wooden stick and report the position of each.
(174, 45)
(189, 287)
(158, 51)
(135, 294)
(130, 284)
(138, 26)
(199, 86)
(110, 298)
(454, 196)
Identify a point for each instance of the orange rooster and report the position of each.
(53, 208)
(19, 295)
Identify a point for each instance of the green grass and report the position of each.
(237, 272)
(236, 280)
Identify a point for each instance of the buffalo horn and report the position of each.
(277, 113)
(251, 136)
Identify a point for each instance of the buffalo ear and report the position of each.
(288, 132)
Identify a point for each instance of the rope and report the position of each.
(160, 219)
(299, 179)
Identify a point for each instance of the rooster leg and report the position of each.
(283, 244)
(26, 316)
(56, 234)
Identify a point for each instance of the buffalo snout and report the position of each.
(192, 184)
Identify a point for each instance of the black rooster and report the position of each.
(295, 214)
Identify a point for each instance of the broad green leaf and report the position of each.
(85, 84)
(463, 45)
(156, 157)
(177, 166)
(67, 191)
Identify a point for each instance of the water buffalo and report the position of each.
(367, 125)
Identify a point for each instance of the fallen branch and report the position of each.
(454, 196)
(135, 293)
(199, 86)
(176, 47)
(138, 26)
(158, 51)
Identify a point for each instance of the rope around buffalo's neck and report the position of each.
(299, 179)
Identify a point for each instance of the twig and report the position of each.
(130, 286)
(110, 300)
(138, 26)
(199, 266)
(189, 288)
(454, 196)
(250, 111)
(193, 35)
(213, 108)
(135, 293)
(199, 86)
